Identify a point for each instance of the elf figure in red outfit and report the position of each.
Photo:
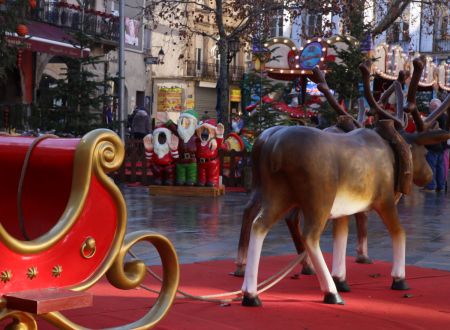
(161, 150)
(210, 137)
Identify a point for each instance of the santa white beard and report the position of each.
(161, 149)
(186, 133)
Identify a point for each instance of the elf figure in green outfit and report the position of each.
(186, 169)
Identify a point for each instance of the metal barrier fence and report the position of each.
(235, 167)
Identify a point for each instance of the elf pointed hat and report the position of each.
(191, 113)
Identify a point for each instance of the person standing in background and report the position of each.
(435, 155)
(140, 125)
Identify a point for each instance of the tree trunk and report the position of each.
(222, 85)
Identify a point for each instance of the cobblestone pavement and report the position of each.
(207, 228)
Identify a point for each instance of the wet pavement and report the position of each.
(207, 228)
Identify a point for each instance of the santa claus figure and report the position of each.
(210, 137)
(161, 150)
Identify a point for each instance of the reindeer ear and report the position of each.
(431, 137)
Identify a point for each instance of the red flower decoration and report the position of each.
(22, 30)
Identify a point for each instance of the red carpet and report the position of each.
(291, 304)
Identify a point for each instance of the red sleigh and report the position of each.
(63, 223)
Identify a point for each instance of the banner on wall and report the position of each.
(190, 103)
(170, 99)
(133, 33)
(235, 95)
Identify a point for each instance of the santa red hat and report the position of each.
(160, 125)
(211, 123)
(162, 128)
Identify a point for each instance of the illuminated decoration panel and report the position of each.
(311, 56)
(285, 62)
(443, 76)
(336, 44)
(390, 59)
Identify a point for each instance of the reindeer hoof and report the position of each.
(361, 259)
(239, 272)
(307, 270)
(251, 301)
(341, 286)
(333, 299)
(399, 284)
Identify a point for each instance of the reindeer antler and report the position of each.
(399, 104)
(371, 100)
(422, 125)
(385, 96)
(361, 114)
(419, 64)
(319, 78)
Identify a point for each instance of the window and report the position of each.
(313, 26)
(399, 31)
(443, 21)
(147, 40)
(198, 57)
(276, 25)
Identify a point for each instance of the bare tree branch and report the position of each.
(396, 8)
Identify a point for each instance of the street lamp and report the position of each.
(161, 56)
(155, 59)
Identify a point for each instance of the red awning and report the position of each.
(48, 39)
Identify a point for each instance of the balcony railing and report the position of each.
(94, 23)
(210, 71)
(441, 45)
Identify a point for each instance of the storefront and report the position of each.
(235, 101)
(206, 99)
(42, 39)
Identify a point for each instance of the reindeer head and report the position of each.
(422, 173)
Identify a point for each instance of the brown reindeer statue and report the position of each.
(345, 124)
(329, 176)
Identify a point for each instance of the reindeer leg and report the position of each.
(313, 228)
(250, 213)
(361, 248)
(249, 287)
(340, 236)
(293, 223)
(263, 222)
(389, 215)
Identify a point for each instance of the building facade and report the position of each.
(49, 42)
(423, 27)
(188, 77)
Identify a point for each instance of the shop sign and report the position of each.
(190, 103)
(235, 95)
(170, 99)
